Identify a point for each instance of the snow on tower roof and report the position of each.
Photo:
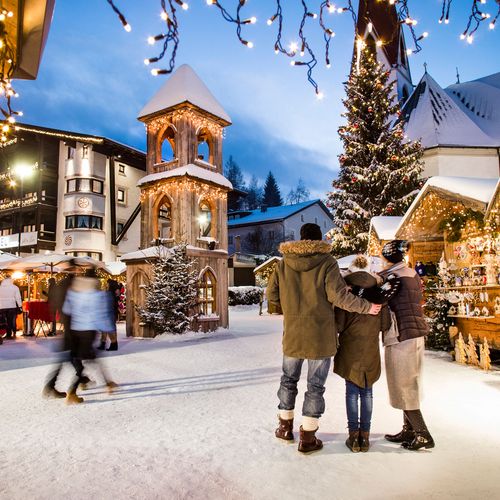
(184, 86)
(432, 116)
(189, 170)
(467, 189)
(385, 226)
(480, 101)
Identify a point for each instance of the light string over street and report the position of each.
(302, 48)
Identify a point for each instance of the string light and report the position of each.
(171, 37)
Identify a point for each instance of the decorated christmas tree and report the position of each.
(171, 295)
(379, 167)
(436, 313)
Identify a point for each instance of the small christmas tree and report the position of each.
(436, 311)
(379, 168)
(472, 352)
(171, 296)
(460, 350)
(484, 354)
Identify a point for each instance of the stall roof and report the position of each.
(385, 226)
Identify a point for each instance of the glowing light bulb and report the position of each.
(328, 66)
(340, 10)
(446, 21)
(249, 45)
(210, 2)
(331, 9)
(425, 34)
(492, 26)
(294, 46)
(5, 128)
(269, 22)
(409, 51)
(462, 36)
(155, 71)
(146, 61)
(151, 40)
(370, 27)
(292, 63)
(379, 43)
(20, 113)
(470, 39)
(319, 95)
(127, 28)
(11, 119)
(253, 20)
(185, 6)
(164, 15)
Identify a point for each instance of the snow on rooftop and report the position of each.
(435, 118)
(472, 188)
(189, 170)
(147, 253)
(386, 226)
(480, 101)
(184, 86)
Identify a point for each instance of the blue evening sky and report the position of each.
(93, 79)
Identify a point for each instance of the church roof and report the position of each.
(184, 86)
(434, 117)
(480, 101)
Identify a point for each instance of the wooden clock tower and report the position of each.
(183, 195)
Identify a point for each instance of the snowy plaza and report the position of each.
(194, 417)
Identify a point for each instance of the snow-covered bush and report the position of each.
(244, 295)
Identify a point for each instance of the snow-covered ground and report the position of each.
(194, 417)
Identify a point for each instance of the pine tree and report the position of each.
(234, 174)
(379, 168)
(460, 350)
(254, 196)
(299, 194)
(272, 195)
(472, 352)
(171, 295)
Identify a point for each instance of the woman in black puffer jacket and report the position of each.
(404, 349)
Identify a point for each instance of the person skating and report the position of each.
(404, 349)
(307, 284)
(358, 357)
(10, 305)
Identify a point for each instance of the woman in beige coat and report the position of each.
(404, 349)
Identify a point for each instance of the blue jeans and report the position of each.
(363, 396)
(317, 371)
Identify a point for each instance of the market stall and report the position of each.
(453, 225)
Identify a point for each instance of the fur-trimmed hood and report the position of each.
(304, 255)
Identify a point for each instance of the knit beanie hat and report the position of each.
(394, 250)
(360, 263)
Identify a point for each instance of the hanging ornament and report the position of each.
(370, 109)
(394, 157)
(354, 179)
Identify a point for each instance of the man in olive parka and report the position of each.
(307, 285)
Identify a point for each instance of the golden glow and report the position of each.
(18, 275)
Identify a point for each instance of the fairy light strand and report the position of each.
(171, 37)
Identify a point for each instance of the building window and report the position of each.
(84, 185)
(92, 255)
(270, 234)
(324, 224)
(315, 220)
(6, 231)
(230, 240)
(301, 218)
(119, 227)
(29, 228)
(292, 235)
(83, 222)
(71, 153)
(164, 220)
(207, 293)
(120, 195)
(205, 219)
(85, 151)
(121, 169)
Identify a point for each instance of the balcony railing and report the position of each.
(165, 165)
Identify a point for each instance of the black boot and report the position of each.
(422, 439)
(352, 441)
(113, 346)
(405, 435)
(102, 345)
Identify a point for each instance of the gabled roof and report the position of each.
(432, 116)
(273, 214)
(184, 86)
(472, 191)
(480, 101)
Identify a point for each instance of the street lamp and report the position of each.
(22, 171)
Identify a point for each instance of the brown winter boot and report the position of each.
(285, 429)
(352, 442)
(309, 442)
(72, 398)
(364, 440)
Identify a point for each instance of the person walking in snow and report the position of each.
(10, 305)
(112, 298)
(306, 284)
(404, 349)
(358, 357)
(87, 309)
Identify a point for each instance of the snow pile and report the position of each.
(194, 418)
(244, 295)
